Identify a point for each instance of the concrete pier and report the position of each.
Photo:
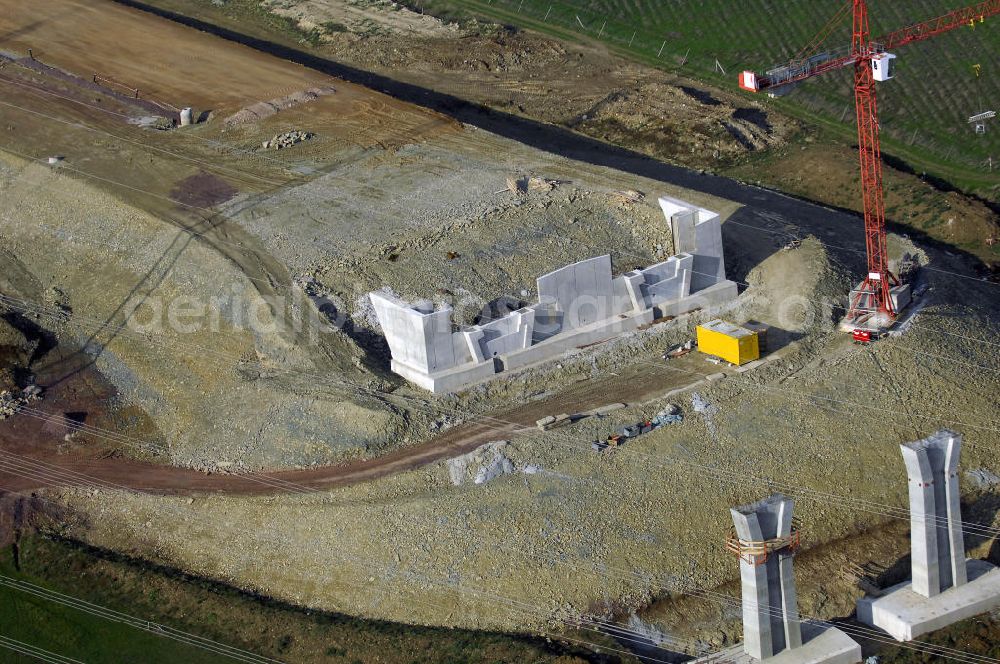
(945, 587)
(937, 551)
(765, 542)
(770, 612)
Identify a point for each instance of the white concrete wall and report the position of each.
(579, 304)
(418, 339)
(581, 291)
(698, 232)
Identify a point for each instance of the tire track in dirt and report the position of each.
(83, 393)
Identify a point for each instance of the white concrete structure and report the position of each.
(906, 614)
(766, 541)
(579, 304)
(937, 551)
(770, 606)
(821, 644)
(944, 587)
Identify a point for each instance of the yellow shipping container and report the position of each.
(732, 343)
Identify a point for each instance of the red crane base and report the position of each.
(865, 310)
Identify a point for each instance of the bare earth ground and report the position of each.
(585, 88)
(378, 198)
(73, 34)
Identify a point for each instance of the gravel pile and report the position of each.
(286, 140)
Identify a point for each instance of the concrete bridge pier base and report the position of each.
(944, 587)
(765, 540)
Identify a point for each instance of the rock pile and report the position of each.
(11, 402)
(287, 140)
(265, 109)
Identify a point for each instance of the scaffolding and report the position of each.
(756, 553)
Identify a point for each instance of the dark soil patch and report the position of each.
(203, 190)
(700, 95)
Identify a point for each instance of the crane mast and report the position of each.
(873, 294)
(873, 299)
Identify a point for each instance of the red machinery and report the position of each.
(872, 62)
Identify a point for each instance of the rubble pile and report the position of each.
(11, 401)
(287, 140)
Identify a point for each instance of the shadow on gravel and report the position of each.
(55, 372)
(979, 512)
(43, 340)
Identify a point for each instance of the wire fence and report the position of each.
(668, 49)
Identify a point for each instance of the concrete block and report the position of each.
(561, 420)
(545, 421)
(610, 408)
(686, 388)
(748, 366)
(900, 296)
(906, 614)
(821, 644)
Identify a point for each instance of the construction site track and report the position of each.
(554, 139)
(43, 438)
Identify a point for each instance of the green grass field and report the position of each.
(198, 606)
(924, 112)
(72, 633)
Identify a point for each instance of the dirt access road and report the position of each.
(38, 437)
(760, 203)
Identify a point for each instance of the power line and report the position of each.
(733, 476)
(500, 422)
(980, 367)
(60, 316)
(533, 610)
(445, 142)
(34, 652)
(869, 633)
(137, 623)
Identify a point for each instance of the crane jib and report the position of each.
(800, 70)
(875, 298)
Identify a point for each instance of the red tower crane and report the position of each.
(872, 62)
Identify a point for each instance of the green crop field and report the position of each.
(213, 611)
(924, 111)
